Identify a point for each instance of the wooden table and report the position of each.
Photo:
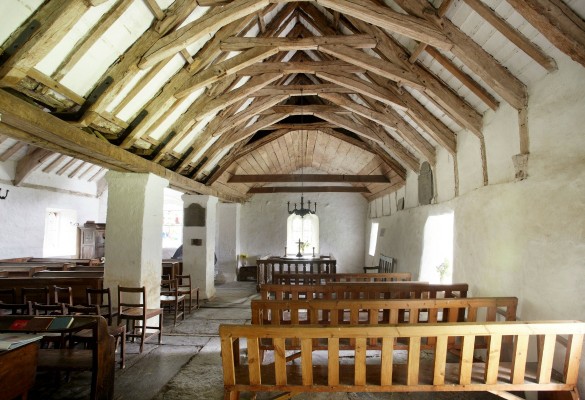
(18, 369)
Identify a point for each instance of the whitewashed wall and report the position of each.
(342, 222)
(22, 216)
(526, 238)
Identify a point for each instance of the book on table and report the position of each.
(61, 323)
(9, 341)
(31, 324)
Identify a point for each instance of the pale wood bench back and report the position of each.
(353, 312)
(323, 279)
(323, 371)
(363, 290)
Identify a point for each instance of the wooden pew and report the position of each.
(69, 274)
(77, 261)
(387, 371)
(323, 279)
(374, 290)
(381, 312)
(100, 359)
(21, 271)
(77, 284)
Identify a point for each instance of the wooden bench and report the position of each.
(69, 274)
(323, 279)
(381, 312)
(77, 284)
(403, 371)
(373, 290)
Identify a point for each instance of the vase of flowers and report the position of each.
(243, 259)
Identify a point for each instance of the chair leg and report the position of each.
(160, 326)
(123, 349)
(142, 335)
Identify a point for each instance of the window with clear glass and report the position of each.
(305, 229)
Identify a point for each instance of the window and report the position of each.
(305, 229)
(373, 238)
(60, 233)
(172, 229)
(437, 258)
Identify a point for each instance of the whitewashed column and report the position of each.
(199, 225)
(134, 233)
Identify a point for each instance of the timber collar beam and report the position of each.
(308, 178)
(34, 126)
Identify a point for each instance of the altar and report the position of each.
(291, 264)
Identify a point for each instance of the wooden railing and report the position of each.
(270, 266)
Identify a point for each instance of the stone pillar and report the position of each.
(199, 224)
(134, 233)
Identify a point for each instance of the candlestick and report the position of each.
(313, 252)
(285, 251)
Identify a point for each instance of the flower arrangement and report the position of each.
(442, 269)
(305, 245)
(244, 259)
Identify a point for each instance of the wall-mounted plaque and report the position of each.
(425, 184)
(194, 215)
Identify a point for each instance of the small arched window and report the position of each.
(305, 229)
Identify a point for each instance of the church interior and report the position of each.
(207, 154)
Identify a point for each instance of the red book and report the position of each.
(18, 324)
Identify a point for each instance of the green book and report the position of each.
(60, 323)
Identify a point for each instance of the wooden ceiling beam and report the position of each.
(391, 121)
(557, 22)
(308, 178)
(30, 163)
(58, 17)
(240, 93)
(305, 67)
(302, 90)
(521, 41)
(257, 107)
(308, 189)
(34, 126)
(360, 41)
(500, 79)
(91, 38)
(407, 25)
(225, 68)
(206, 25)
(363, 87)
(447, 99)
(373, 64)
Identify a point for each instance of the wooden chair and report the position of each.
(171, 299)
(38, 294)
(63, 295)
(86, 336)
(132, 311)
(102, 298)
(8, 304)
(385, 265)
(185, 287)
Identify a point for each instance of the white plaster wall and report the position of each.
(342, 226)
(228, 237)
(23, 217)
(526, 238)
(469, 162)
(502, 141)
(411, 190)
(444, 176)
